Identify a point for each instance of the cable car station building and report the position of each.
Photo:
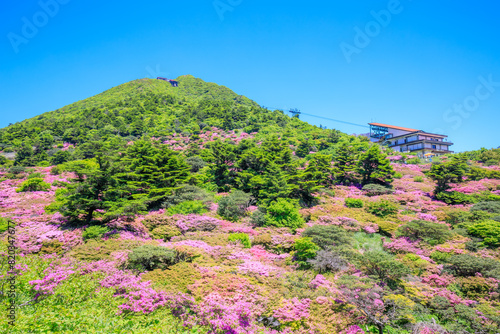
(422, 144)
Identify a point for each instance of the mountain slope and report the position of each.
(145, 106)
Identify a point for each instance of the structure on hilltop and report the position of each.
(421, 143)
(173, 82)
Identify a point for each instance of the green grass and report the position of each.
(81, 305)
(368, 242)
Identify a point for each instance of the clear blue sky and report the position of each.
(410, 70)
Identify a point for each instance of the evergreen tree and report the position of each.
(344, 168)
(452, 171)
(222, 159)
(374, 167)
(90, 193)
(150, 173)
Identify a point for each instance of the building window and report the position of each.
(434, 146)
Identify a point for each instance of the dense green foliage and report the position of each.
(94, 232)
(34, 184)
(445, 173)
(382, 208)
(489, 230)
(151, 257)
(328, 236)
(431, 232)
(284, 213)
(242, 237)
(353, 203)
(198, 202)
(374, 167)
(233, 206)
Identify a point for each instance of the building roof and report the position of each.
(393, 127)
(428, 134)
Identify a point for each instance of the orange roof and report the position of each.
(393, 127)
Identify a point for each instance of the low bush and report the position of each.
(94, 232)
(326, 236)
(95, 250)
(455, 197)
(353, 203)
(17, 170)
(489, 230)
(36, 184)
(382, 208)
(477, 287)
(258, 218)
(234, 206)
(264, 240)
(284, 213)
(440, 257)
(35, 175)
(431, 232)
(382, 266)
(418, 179)
(305, 249)
(327, 261)
(413, 161)
(4, 224)
(149, 257)
(376, 190)
(55, 170)
(165, 232)
(51, 247)
(242, 237)
(491, 207)
(177, 278)
(466, 265)
(398, 175)
(185, 208)
(387, 228)
(187, 193)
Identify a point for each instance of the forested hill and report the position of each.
(146, 106)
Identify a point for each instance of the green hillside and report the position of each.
(145, 106)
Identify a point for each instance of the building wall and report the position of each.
(396, 133)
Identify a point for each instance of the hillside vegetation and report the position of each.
(149, 208)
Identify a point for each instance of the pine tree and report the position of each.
(374, 167)
(452, 171)
(150, 173)
(344, 168)
(222, 158)
(86, 195)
